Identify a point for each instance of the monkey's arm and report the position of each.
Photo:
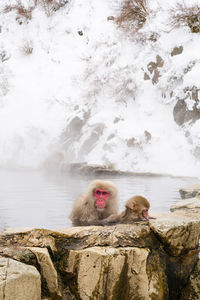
(111, 220)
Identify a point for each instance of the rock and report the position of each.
(94, 169)
(137, 235)
(111, 136)
(146, 76)
(178, 270)
(131, 142)
(193, 22)
(110, 18)
(177, 51)
(74, 127)
(190, 191)
(18, 281)
(159, 61)
(153, 68)
(113, 273)
(156, 272)
(80, 32)
(21, 254)
(48, 271)
(192, 290)
(145, 260)
(191, 203)
(156, 76)
(182, 114)
(73, 132)
(148, 135)
(27, 238)
(178, 233)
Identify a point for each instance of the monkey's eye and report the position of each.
(104, 193)
(98, 192)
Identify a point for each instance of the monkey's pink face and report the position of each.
(101, 197)
(145, 213)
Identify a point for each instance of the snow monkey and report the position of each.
(99, 202)
(136, 209)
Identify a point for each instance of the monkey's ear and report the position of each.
(131, 204)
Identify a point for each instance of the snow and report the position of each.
(80, 64)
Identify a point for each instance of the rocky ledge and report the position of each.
(155, 260)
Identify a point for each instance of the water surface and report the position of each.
(44, 200)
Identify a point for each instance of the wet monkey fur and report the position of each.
(97, 203)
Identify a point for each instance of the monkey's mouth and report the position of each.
(100, 204)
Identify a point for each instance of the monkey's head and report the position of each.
(103, 194)
(139, 206)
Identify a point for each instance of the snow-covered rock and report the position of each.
(73, 79)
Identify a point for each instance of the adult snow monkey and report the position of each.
(97, 203)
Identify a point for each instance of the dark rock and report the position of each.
(181, 112)
(159, 61)
(177, 51)
(146, 76)
(110, 18)
(190, 191)
(194, 23)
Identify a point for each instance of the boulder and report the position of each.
(177, 51)
(18, 281)
(187, 204)
(183, 112)
(178, 233)
(48, 271)
(138, 234)
(190, 191)
(192, 290)
(107, 273)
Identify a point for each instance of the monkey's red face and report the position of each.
(145, 213)
(101, 197)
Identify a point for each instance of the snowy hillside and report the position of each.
(107, 87)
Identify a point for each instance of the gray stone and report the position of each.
(187, 204)
(18, 281)
(190, 191)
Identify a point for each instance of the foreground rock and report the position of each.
(18, 281)
(191, 290)
(140, 261)
(108, 272)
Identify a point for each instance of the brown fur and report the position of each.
(133, 212)
(84, 211)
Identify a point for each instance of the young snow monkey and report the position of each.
(136, 209)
